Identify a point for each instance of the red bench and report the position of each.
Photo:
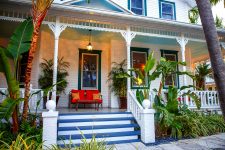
(85, 97)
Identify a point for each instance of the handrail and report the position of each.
(135, 107)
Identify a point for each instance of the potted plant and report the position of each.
(117, 84)
(46, 78)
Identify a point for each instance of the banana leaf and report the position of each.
(21, 39)
(7, 107)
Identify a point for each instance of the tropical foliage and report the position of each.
(201, 72)
(26, 142)
(193, 15)
(18, 44)
(116, 84)
(46, 78)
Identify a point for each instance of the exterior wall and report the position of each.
(181, 9)
(153, 8)
(118, 53)
(68, 48)
(122, 3)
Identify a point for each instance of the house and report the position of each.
(117, 30)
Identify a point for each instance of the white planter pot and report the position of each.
(146, 103)
(51, 105)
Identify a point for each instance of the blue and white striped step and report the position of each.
(112, 128)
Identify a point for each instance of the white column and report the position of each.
(183, 41)
(56, 28)
(49, 133)
(128, 36)
(148, 126)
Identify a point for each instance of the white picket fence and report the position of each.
(33, 100)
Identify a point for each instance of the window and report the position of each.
(89, 69)
(167, 10)
(21, 70)
(172, 56)
(139, 58)
(138, 6)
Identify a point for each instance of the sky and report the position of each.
(219, 10)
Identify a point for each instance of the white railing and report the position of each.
(33, 100)
(135, 107)
(144, 118)
(209, 100)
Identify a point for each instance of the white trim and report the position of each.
(143, 8)
(173, 9)
(120, 15)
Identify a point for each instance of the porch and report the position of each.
(209, 102)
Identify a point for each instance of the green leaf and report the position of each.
(172, 102)
(150, 62)
(7, 107)
(139, 96)
(187, 87)
(21, 39)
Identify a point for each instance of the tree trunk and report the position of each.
(38, 21)
(214, 49)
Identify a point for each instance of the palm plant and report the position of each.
(219, 22)
(202, 71)
(46, 78)
(19, 43)
(117, 84)
(193, 14)
(39, 11)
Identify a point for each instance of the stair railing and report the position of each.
(144, 118)
(135, 107)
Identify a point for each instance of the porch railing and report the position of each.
(135, 107)
(209, 100)
(35, 97)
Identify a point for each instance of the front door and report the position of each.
(89, 69)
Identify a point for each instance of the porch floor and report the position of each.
(89, 110)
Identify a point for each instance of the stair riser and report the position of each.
(94, 116)
(95, 131)
(99, 139)
(76, 124)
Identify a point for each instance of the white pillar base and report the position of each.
(148, 126)
(49, 136)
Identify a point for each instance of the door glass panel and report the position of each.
(171, 79)
(138, 62)
(89, 71)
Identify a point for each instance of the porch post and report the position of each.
(183, 41)
(56, 28)
(128, 36)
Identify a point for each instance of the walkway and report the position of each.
(214, 142)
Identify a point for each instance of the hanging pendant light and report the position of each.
(89, 46)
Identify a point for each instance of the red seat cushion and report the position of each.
(86, 96)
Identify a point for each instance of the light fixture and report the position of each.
(89, 46)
